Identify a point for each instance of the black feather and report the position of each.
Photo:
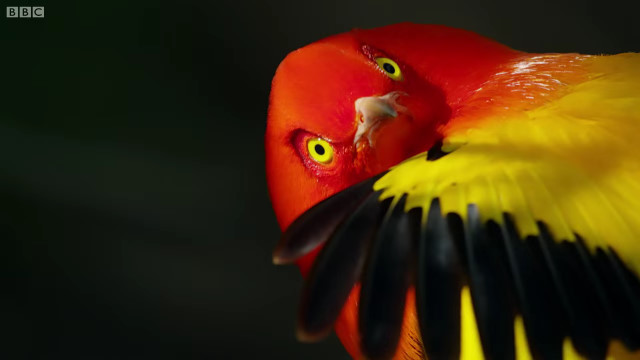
(538, 301)
(490, 288)
(623, 291)
(439, 282)
(584, 309)
(436, 152)
(337, 268)
(386, 281)
(316, 225)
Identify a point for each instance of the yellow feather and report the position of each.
(572, 162)
(470, 348)
(522, 345)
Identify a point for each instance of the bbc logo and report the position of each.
(25, 11)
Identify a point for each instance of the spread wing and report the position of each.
(533, 217)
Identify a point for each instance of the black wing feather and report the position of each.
(337, 268)
(490, 287)
(314, 227)
(582, 304)
(538, 301)
(559, 287)
(385, 282)
(439, 282)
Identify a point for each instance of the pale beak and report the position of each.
(372, 111)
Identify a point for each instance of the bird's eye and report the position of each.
(390, 68)
(320, 150)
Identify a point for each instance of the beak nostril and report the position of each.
(372, 110)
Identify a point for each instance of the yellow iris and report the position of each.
(390, 68)
(320, 150)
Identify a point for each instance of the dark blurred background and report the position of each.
(135, 219)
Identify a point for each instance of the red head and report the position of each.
(352, 105)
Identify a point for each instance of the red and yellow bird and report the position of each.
(448, 197)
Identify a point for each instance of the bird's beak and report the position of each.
(373, 111)
(386, 131)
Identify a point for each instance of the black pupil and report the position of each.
(389, 68)
(319, 149)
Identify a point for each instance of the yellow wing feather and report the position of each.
(572, 162)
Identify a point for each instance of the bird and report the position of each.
(448, 197)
